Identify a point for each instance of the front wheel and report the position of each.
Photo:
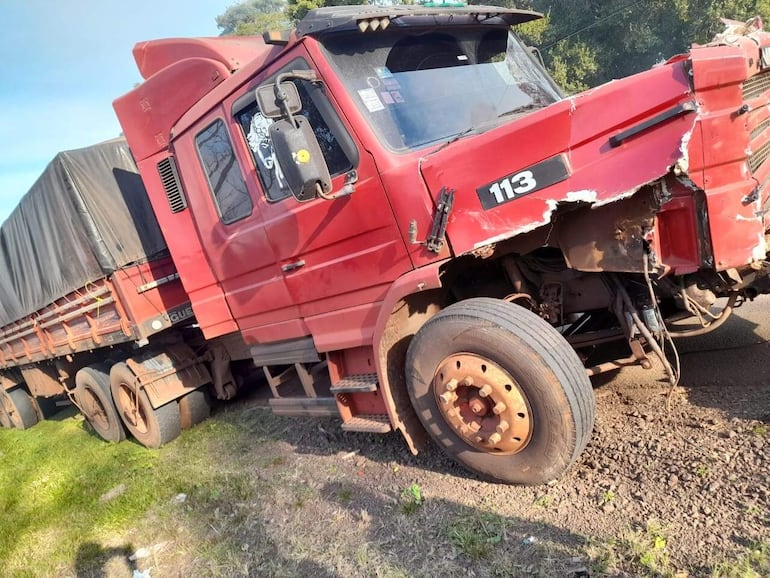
(501, 391)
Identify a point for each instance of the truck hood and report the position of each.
(596, 147)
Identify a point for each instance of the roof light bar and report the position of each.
(374, 24)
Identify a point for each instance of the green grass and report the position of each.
(477, 535)
(54, 474)
(643, 551)
(754, 563)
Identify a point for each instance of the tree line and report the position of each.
(583, 42)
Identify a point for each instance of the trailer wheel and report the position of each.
(501, 391)
(194, 408)
(45, 407)
(5, 420)
(19, 408)
(152, 427)
(92, 391)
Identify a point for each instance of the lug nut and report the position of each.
(475, 427)
(477, 406)
(485, 391)
(451, 385)
(502, 427)
(495, 438)
(499, 408)
(467, 382)
(452, 413)
(448, 397)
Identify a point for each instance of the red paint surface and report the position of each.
(356, 247)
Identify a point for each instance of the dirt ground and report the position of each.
(672, 484)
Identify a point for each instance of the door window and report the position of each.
(333, 140)
(223, 172)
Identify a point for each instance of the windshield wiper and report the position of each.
(526, 107)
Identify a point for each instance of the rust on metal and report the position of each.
(483, 404)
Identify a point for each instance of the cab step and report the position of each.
(361, 383)
(305, 406)
(368, 424)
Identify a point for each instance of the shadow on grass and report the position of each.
(92, 558)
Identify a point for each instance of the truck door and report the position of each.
(231, 227)
(337, 257)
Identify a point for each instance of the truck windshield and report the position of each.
(418, 87)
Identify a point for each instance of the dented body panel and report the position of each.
(687, 134)
(453, 169)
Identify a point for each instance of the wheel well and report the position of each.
(408, 315)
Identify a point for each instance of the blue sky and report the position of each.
(63, 63)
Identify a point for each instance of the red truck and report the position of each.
(398, 208)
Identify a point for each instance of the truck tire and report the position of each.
(45, 407)
(92, 391)
(5, 420)
(194, 408)
(500, 391)
(19, 407)
(152, 427)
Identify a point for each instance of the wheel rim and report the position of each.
(94, 410)
(5, 420)
(10, 409)
(483, 404)
(133, 410)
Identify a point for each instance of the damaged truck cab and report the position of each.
(399, 208)
(470, 235)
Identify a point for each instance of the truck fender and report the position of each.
(169, 374)
(412, 299)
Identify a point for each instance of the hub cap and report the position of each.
(483, 404)
(132, 408)
(94, 410)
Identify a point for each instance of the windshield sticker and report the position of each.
(397, 96)
(370, 99)
(386, 98)
(383, 72)
(391, 83)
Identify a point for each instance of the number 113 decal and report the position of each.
(511, 187)
(518, 184)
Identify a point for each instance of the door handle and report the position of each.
(293, 266)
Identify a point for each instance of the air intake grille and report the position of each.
(757, 159)
(170, 180)
(760, 128)
(756, 86)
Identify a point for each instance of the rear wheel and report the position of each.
(19, 408)
(194, 408)
(5, 420)
(152, 427)
(501, 391)
(92, 391)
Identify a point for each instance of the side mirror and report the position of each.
(269, 104)
(300, 158)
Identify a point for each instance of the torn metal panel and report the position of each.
(699, 123)
(578, 130)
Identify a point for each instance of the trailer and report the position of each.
(396, 215)
(86, 278)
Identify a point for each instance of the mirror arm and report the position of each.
(280, 95)
(347, 189)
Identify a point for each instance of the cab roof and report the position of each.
(344, 18)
